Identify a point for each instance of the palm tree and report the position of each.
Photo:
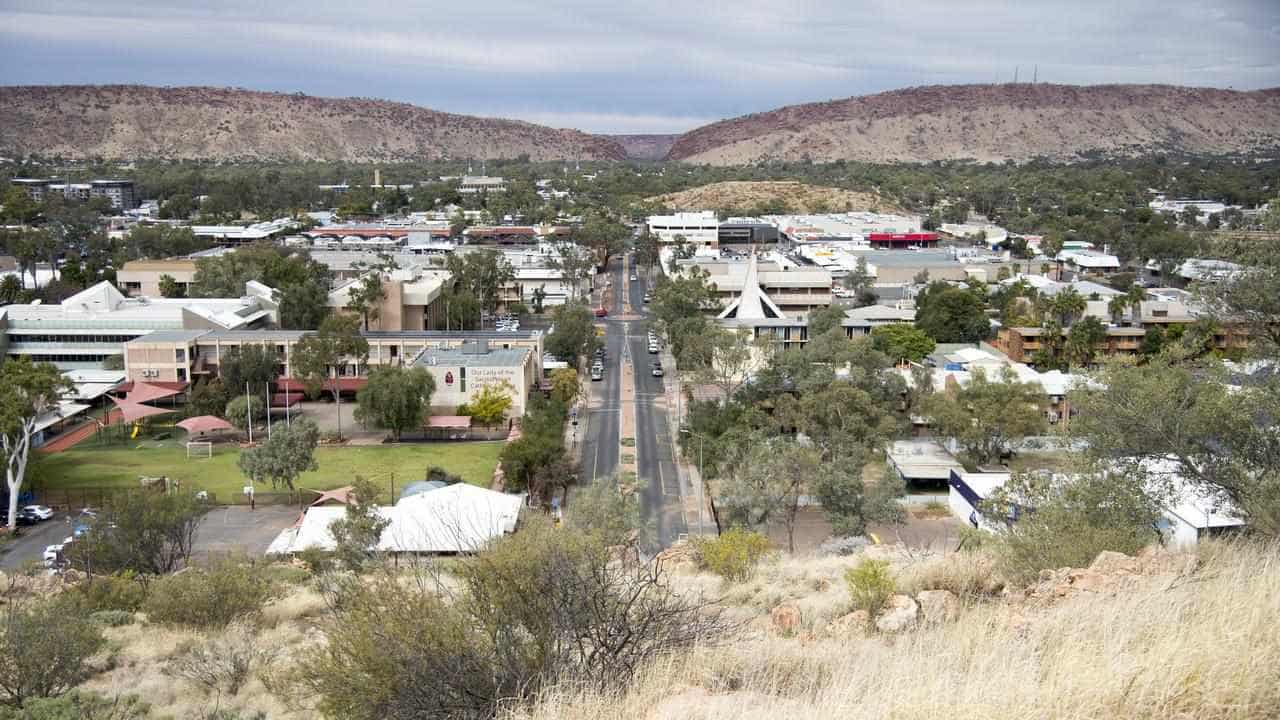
(1135, 296)
(1116, 307)
(1068, 304)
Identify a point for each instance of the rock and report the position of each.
(938, 606)
(786, 619)
(853, 624)
(898, 615)
(681, 553)
(1114, 562)
(1087, 580)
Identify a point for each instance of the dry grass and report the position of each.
(1203, 646)
(969, 576)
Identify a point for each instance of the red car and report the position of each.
(601, 311)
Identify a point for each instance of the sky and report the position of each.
(620, 66)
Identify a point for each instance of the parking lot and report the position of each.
(225, 530)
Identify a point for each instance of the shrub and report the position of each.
(112, 618)
(839, 546)
(210, 598)
(968, 576)
(870, 585)
(123, 592)
(735, 554)
(317, 560)
(80, 705)
(44, 649)
(223, 663)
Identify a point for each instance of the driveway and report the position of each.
(30, 544)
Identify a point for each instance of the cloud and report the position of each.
(629, 66)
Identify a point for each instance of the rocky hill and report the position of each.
(645, 147)
(742, 196)
(996, 123)
(130, 121)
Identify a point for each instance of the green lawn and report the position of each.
(119, 464)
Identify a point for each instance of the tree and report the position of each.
(45, 648)
(1059, 521)
(987, 415)
(611, 512)
(604, 236)
(573, 334)
(824, 319)
(206, 397)
(170, 288)
(902, 341)
(951, 315)
(1251, 299)
(849, 504)
(19, 208)
(357, 533)
(1271, 215)
(527, 459)
(156, 241)
(396, 399)
(287, 453)
(1176, 418)
(725, 358)
(575, 264)
(769, 485)
(482, 274)
(1082, 341)
(10, 290)
(315, 356)
(1190, 216)
(859, 279)
(142, 532)
(27, 391)
(365, 296)
(489, 406)
(245, 410)
(250, 366)
(303, 283)
(565, 387)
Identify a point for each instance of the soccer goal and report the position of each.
(199, 448)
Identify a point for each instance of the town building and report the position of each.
(142, 277)
(460, 362)
(411, 298)
(92, 326)
(789, 290)
(244, 234)
(470, 184)
(119, 193)
(699, 228)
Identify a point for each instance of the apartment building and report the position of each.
(699, 228)
(119, 193)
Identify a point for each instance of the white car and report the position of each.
(633, 277)
(53, 554)
(40, 511)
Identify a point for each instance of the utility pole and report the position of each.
(268, 389)
(248, 410)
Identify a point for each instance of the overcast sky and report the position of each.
(624, 66)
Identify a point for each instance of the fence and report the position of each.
(89, 497)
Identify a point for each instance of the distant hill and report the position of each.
(742, 196)
(131, 121)
(644, 147)
(996, 123)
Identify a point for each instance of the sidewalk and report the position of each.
(690, 477)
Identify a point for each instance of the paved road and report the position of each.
(656, 467)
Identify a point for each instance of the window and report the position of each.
(180, 355)
(462, 379)
(182, 374)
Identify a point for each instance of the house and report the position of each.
(458, 518)
(921, 461)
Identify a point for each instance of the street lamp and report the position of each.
(701, 480)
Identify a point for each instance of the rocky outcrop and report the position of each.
(991, 123)
(898, 615)
(786, 619)
(127, 122)
(938, 606)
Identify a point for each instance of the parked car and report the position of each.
(647, 298)
(634, 277)
(25, 518)
(653, 348)
(53, 555)
(597, 372)
(656, 369)
(41, 511)
(601, 312)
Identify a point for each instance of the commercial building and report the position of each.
(470, 184)
(411, 298)
(244, 234)
(464, 371)
(699, 228)
(792, 291)
(1089, 261)
(88, 328)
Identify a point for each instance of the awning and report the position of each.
(205, 423)
(58, 414)
(285, 399)
(449, 421)
(146, 392)
(133, 411)
(346, 384)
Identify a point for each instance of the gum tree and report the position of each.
(27, 391)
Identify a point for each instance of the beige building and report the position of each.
(461, 362)
(142, 277)
(794, 292)
(411, 299)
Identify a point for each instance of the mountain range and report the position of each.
(953, 122)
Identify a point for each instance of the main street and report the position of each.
(657, 477)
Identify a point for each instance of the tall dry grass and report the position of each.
(1203, 646)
